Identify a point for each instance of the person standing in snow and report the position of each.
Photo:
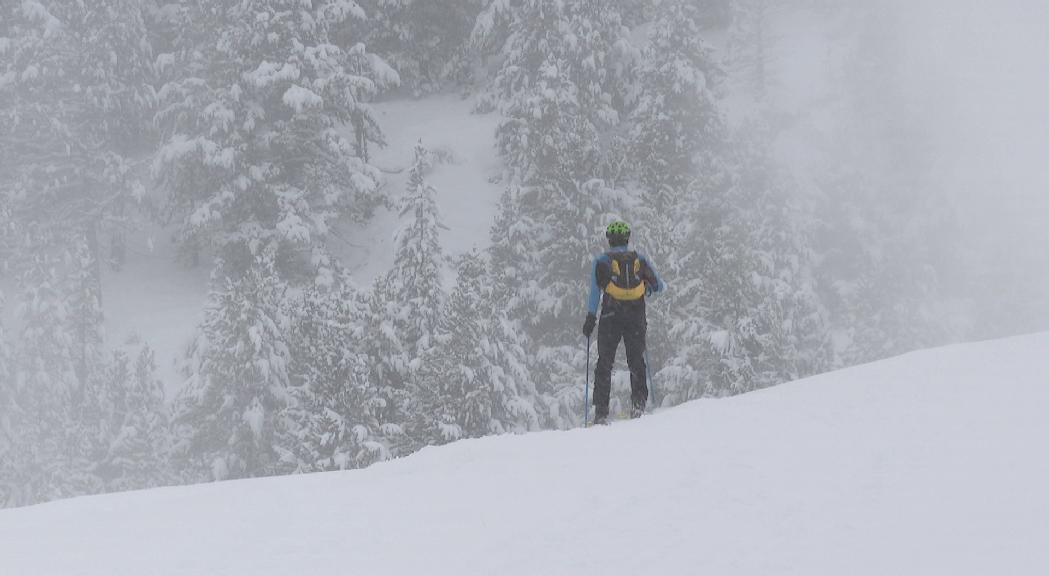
(624, 278)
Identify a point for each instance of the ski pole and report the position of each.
(586, 389)
(651, 384)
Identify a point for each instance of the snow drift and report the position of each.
(930, 463)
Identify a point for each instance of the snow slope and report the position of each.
(929, 463)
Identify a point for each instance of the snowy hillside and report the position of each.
(929, 463)
(158, 299)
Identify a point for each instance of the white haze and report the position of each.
(936, 110)
(958, 95)
(976, 76)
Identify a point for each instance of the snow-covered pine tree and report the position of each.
(451, 399)
(880, 271)
(753, 319)
(255, 154)
(7, 384)
(95, 411)
(711, 357)
(563, 83)
(677, 140)
(6, 381)
(231, 418)
(516, 405)
(77, 96)
(750, 47)
(676, 122)
(412, 292)
(508, 346)
(8, 464)
(403, 308)
(387, 362)
(133, 421)
(5, 356)
(415, 281)
(478, 382)
(339, 409)
(586, 40)
(84, 297)
(426, 42)
(47, 389)
(563, 86)
(8, 227)
(798, 343)
(537, 297)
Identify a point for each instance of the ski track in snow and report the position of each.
(929, 463)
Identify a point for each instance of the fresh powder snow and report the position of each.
(928, 463)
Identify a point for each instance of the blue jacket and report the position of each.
(595, 290)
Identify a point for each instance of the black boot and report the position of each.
(637, 411)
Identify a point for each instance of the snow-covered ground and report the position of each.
(929, 463)
(156, 299)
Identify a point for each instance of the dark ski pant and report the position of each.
(629, 324)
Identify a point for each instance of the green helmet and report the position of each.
(618, 233)
(618, 228)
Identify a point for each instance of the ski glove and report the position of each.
(651, 288)
(588, 326)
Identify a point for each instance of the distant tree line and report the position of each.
(246, 128)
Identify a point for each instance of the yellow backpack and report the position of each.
(625, 282)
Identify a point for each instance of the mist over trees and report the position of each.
(247, 129)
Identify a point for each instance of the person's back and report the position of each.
(620, 281)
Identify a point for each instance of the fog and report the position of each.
(950, 110)
(976, 75)
(223, 252)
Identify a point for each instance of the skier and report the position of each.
(625, 278)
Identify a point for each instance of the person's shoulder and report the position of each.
(602, 257)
